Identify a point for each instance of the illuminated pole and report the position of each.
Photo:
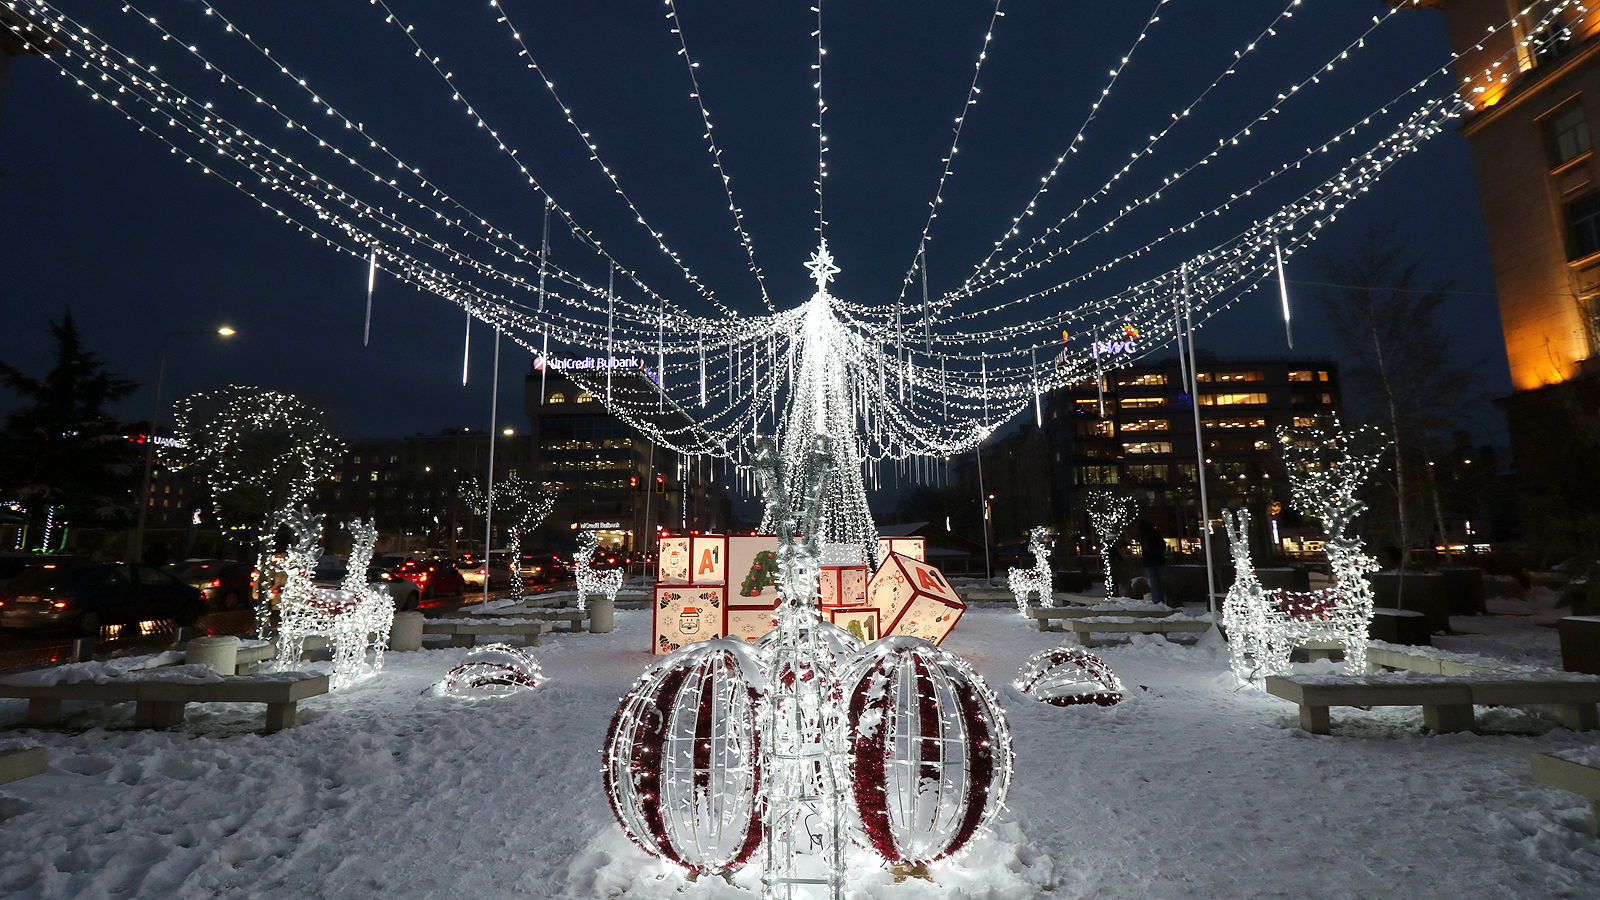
(1199, 448)
(136, 543)
(488, 501)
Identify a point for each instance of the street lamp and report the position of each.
(136, 544)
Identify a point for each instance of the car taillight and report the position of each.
(60, 604)
(215, 582)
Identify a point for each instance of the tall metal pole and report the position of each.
(136, 542)
(1199, 448)
(136, 546)
(488, 500)
(983, 496)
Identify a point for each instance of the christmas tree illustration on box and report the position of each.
(763, 571)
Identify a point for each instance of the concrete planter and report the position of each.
(407, 631)
(220, 652)
(1580, 644)
(1423, 593)
(1463, 590)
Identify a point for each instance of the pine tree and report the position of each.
(60, 449)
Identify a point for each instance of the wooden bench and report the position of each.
(464, 632)
(25, 763)
(1571, 776)
(159, 704)
(1045, 614)
(1083, 627)
(1446, 705)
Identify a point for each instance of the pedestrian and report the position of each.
(1153, 548)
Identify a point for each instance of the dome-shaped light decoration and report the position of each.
(1069, 676)
(493, 670)
(682, 757)
(930, 750)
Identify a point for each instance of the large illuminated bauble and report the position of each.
(682, 757)
(1069, 676)
(930, 750)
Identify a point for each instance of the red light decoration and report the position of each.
(930, 750)
(682, 758)
(1069, 676)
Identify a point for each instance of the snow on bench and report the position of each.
(1446, 701)
(24, 763)
(574, 617)
(159, 695)
(464, 632)
(1131, 608)
(1433, 661)
(1577, 771)
(1137, 624)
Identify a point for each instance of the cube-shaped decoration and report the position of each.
(913, 598)
(861, 621)
(914, 547)
(674, 559)
(752, 571)
(751, 623)
(843, 586)
(685, 614)
(708, 559)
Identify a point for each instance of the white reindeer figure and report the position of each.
(589, 581)
(1024, 582)
(355, 619)
(1264, 627)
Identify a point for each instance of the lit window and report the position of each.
(1301, 375)
(1098, 428)
(1583, 225)
(583, 397)
(1236, 423)
(374, 476)
(1143, 402)
(1145, 425)
(1134, 380)
(1568, 134)
(1232, 376)
(1232, 399)
(557, 398)
(1304, 421)
(1148, 447)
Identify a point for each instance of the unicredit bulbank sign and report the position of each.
(593, 362)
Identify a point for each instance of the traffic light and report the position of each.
(661, 484)
(633, 482)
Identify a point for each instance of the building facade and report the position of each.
(1534, 91)
(608, 477)
(1133, 430)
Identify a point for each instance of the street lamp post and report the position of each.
(136, 544)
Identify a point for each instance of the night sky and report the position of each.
(102, 220)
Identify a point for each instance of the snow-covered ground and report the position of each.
(1194, 787)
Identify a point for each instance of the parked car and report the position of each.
(472, 571)
(433, 579)
(544, 568)
(84, 597)
(13, 563)
(226, 584)
(331, 571)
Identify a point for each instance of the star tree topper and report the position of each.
(822, 267)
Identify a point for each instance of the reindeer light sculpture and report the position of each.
(356, 618)
(1264, 627)
(590, 581)
(1025, 581)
